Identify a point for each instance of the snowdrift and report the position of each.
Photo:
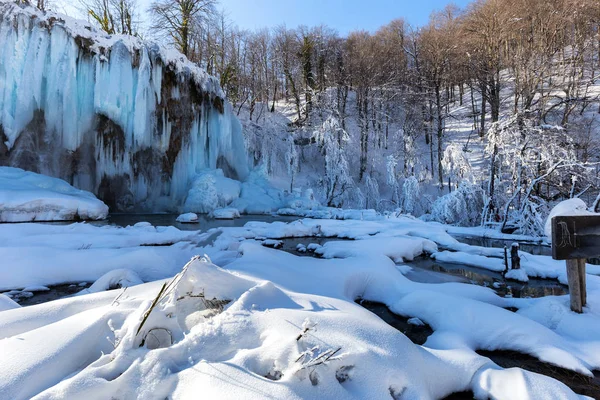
(27, 196)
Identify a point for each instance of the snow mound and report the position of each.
(397, 248)
(258, 197)
(187, 218)
(211, 190)
(26, 196)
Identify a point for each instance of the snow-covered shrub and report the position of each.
(456, 165)
(258, 196)
(299, 200)
(411, 196)
(461, 207)
(533, 164)
(532, 216)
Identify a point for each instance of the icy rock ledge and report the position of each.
(27, 196)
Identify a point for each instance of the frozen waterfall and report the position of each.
(125, 119)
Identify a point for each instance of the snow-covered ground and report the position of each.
(247, 321)
(27, 196)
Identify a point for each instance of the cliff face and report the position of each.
(125, 119)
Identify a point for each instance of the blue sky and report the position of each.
(342, 15)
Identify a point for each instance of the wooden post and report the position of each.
(582, 279)
(515, 260)
(575, 284)
(505, 260)
(575, 239)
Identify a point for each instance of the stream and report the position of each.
(424, 269)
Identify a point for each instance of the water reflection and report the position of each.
(538, 249)
(495, 280)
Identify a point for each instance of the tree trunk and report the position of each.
(440, 132)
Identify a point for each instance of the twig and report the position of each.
(147, 313)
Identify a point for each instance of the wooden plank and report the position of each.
(575, 237)
(574, 285)
(582, 281)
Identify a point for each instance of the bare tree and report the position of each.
(181, 19)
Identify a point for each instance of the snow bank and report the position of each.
(27, 196)
(397, 248)
(41, 254)
(517, 275)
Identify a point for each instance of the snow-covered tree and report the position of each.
(461, 207)
(533, 165)
(456, 165)
(372, 196)
(338, 184)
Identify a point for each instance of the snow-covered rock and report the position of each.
(517, 275)
(27, 196)
(187, 218)
(225, 213)
(114, 279)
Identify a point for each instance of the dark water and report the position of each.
(538, 249)
(495, 280)
(418, 334)
(204, 223)
(55, 292)
(428, 270)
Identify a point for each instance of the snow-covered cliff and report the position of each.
(125, 119)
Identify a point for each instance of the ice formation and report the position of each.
(125, 119)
